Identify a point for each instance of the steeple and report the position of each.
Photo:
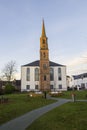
(44, 61)
(43, 38)
(43, 30)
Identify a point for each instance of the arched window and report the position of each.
(51, 74)
(59, 74)
(44, 55)
(43, 41)
(44, 77)
(28, 74)
(36, 74)
(59, 70)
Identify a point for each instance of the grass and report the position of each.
(70, 116)
(20, 104)
(82, 94)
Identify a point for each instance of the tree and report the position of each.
(9, 70)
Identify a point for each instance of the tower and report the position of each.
(44, 61)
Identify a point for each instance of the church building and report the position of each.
(43, 74)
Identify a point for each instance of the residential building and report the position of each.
(79, 81)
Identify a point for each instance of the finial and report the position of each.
(43, 28)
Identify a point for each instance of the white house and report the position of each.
(79, 81)
(30, 76)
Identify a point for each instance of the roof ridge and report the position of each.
(36, 63)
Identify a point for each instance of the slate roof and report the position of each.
(80, 76)
(36, 63)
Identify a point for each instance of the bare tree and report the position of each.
(9, 70)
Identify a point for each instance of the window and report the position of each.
(51, 86)
(59, 78)
(27, 87)
(36, 74)
(44, 54)
(43, 41)
(36, 86)
(28, 74)
(44, 77)
(59, 70)
(51, 74)
(60, 86)
(59, 74)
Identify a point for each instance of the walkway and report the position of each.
(21, 123)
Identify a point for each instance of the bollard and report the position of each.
(45, 94)
(73, 97)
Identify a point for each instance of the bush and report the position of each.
(56, 94)
(1, 91)
(9, 88)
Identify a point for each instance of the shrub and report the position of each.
(1, 91)
(9, 88)
(56, 94)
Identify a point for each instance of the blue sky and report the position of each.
(66, 29)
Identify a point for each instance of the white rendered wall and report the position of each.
(78, 82)
(32, 81)
(57, 82)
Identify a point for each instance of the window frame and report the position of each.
(36, 74)
(28, 74)
(51, 74)
(28, 87)
(60, 86)
(59, 74)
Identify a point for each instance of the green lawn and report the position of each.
(82, 94)
(19, 104)
(70, 116)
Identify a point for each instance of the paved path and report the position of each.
(21, 123)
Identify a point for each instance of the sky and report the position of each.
(65, 25)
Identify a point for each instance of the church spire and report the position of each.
(43, 30)
(44, 62)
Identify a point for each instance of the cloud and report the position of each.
(78, 64)
(17, 76)
(74, 62)
(78, 60)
